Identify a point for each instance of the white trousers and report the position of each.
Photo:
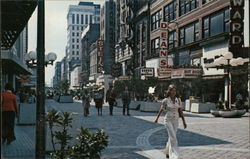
(172, 144)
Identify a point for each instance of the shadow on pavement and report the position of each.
(187, 138)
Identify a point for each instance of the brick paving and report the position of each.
(138, 137)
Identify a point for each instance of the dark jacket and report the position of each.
(126, 98)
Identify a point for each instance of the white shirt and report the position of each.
(171, 108)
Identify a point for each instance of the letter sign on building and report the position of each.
(236, 29)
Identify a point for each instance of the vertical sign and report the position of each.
(236, 26)
(163, 45)
(99, 44)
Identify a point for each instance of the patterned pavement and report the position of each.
(138, 137)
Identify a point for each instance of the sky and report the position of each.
(55, 30)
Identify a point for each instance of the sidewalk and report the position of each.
(24, 145)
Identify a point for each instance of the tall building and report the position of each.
(89, 36)
(78, 18)
(125, 38)
(107, 34)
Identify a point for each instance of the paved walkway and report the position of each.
(138, 137)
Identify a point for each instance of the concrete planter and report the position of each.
(188, 104)
(215, 113)
(150, 106)
(66, 99)
(231, 113)
(27, 114)
(202, 107)
(132, 105)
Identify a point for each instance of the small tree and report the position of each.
(90, 144)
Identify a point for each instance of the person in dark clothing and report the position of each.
(126, 99)
(9, 112)
(98, 98)
(110, 98)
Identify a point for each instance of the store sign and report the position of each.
(99, 44)
(236, 26)
(164, 72)
(147, 72)
(182, 73)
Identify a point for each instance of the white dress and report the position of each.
(171, 123)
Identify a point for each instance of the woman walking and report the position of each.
(172, 106)
(9, 112)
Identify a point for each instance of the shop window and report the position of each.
(189, 33)
(156, 19)
(188, 5)
(216, 23)
(170, 12)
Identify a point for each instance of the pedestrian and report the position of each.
(126, 99)
(9, 112)
(172, 106)
(110, 98)
(86, 103)
(98, 98)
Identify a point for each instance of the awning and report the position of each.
(213, 77)
(15, 15)
(11, 63)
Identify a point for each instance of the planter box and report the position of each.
(150, 106)
(66, 99)
(27, 114)
(188, 103)
(202, 107)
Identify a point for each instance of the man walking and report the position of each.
(110, 98)
(126, 100)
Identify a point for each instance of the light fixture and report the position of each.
(31, 59)
(227, 62)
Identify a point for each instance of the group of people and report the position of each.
(111, 96)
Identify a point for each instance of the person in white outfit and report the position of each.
(172, 106)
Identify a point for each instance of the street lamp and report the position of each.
(31, 59)
(227, 62)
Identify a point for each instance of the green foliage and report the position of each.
(62, 87)
(90, 144)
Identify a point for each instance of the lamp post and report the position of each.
(227, 62)
(32, 62)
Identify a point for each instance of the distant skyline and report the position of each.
(55, 30)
